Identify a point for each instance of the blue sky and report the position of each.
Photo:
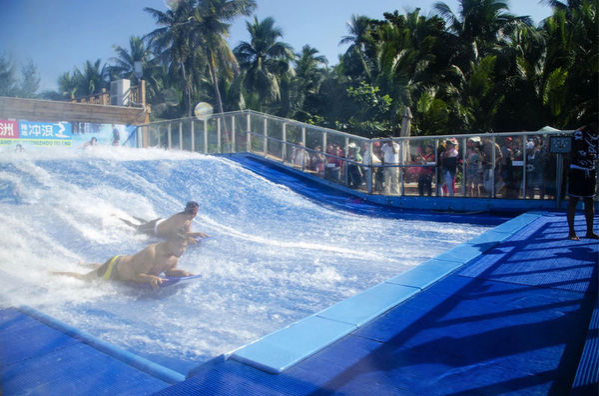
(61, 34)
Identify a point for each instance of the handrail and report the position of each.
(243, 130)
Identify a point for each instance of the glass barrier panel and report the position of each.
(423, 158)
(212, 138)
(355, 171)
(550, 177)
(473, 167)
(314, 139)
(240, 132)
(491, 158)
(152, 133)
(510, 167)
(334, 164)
(226, 133)
(293, 136)
(176, 132)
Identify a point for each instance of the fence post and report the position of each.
(369, 170)
(218, 136)
(265, 148)
(401, 167)
(233, 148)
(205, 136)
(169, 137)
(284, 148)
(248, 133)
(180, 135)
(193, 141)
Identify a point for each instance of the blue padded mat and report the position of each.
(536, 256)
(466, 334)
(37, 359)
(587, 375)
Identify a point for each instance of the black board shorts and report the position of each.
(582, 183)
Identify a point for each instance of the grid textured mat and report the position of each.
(39, 360)
(476, 332)
(540, 255)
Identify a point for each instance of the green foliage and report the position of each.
(478, 69)
(24, 86)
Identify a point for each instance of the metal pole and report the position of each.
(180, 135)
(558, 180)
(265, 145)
(493, 155)
(205, 136)
(233, 145)
(284, 148)
(524, 163)
(464, 168)
(193, 142)
(369, 171)
(401, 168)
(248, 135)
(218, 136)
(304, 143)
(346, 176)
(170, 138)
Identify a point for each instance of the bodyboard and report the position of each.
(169, 281)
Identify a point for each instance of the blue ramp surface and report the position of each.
(39, 360)
(498, 325)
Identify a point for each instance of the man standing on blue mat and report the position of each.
(145, 266)
(582, 177)
(164, 228)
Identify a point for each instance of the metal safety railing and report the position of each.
(508, 165)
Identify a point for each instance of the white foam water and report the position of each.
(275, 256)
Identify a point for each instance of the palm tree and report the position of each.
(92, 79)
(408, 58)
(310, 70)
(210, 29)
(355, 59)
(173, 44)
(124, 62)
(264, 61)
(573, 53)
(480, 26)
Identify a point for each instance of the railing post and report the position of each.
(305, 147)
(464, 167)
(493, 159)
(248, 133)
(180, 135)
(401, 168)
(558, 180)
(345, 150)
(139, 136)
(218, 136)
(369, 169)
(284, 148)
(233, 148)
(265, 148)
(169, 137)
(193, 141)
(205, 136)
(524, 163)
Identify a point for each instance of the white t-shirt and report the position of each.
(388, 155)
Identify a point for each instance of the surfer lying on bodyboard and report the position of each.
(165, 227)
(145, 266)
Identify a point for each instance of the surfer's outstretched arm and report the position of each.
(141, 220)
(177, 273)
(198, 235)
